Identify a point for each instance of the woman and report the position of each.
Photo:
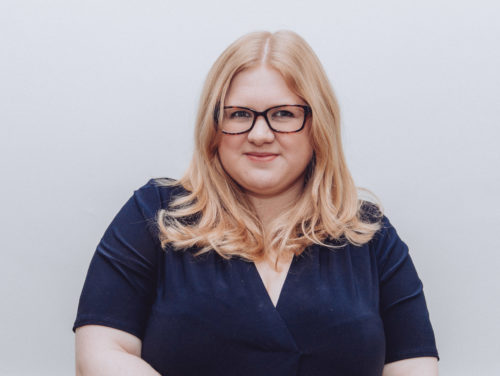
(261, 259)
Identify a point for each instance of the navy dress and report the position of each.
(340, 312)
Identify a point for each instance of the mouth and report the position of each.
(261, 157)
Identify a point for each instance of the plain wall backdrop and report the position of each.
(97, 97)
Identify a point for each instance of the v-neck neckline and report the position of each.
(282, 292)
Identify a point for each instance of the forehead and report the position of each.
(260, 87)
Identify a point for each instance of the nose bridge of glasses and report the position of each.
(261, 127)
(264, 119)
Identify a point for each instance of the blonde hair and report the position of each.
(215, 214)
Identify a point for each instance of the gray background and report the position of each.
(96, 97)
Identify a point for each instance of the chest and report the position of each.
(273, 277)
(320, 310)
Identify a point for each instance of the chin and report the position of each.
(260, 187)
(264, 189)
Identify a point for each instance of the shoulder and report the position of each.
(370, 212)
(388, 248)
(157, 193)
(385, 240)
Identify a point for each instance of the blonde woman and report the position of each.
(261, 259)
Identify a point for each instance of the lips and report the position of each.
(261, 157)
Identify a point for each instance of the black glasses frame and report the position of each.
(256, 114)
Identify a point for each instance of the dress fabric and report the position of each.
(340, 312)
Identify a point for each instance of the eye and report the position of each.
(240, 114)
(283, 114)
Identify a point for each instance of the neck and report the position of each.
(270, 207)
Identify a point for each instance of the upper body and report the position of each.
(339, 312)
(261, 259)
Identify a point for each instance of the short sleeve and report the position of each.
(403, 309)
(121, 280)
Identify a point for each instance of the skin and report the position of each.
(269, 166)
(104, 351)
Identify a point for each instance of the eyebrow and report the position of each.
(275, 105)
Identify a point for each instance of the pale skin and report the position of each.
(103, 351)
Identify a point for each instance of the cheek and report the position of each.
(299, 150)
(228, 150)
(301, 157)
(306, 157)
(307, 147)
(226, 146)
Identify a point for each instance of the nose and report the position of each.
(260, 133)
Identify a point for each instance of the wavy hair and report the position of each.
(214, 212)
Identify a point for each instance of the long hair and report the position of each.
(215, 214)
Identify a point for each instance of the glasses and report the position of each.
(288, 118)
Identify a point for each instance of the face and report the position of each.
(261, 161)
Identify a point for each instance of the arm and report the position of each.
(410, 343)
(118, 292)
(424, 366)
(104, 351)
